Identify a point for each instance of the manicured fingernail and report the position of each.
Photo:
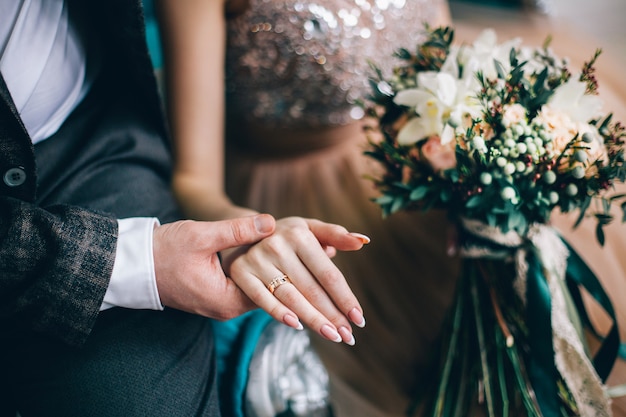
(347, 336)
(330, 333)
(263, 223)
(357, 317)
(364, 239)
(292, 321)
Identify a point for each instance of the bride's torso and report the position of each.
(303, 66)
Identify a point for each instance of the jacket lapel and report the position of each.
(16, 148)
(8, 112)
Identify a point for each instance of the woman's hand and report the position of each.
(307, 286)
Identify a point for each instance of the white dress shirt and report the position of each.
(44, 65)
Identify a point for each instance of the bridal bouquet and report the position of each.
(499, 136)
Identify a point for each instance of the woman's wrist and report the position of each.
(199, 202)
(214, 208)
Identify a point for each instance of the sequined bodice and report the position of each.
(298, 63)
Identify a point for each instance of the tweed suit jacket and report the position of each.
(56, 262)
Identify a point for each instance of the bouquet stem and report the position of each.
(480, 333)
(485, 350)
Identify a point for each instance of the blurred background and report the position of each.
(599, 21)
(577, 28)
(604, 20)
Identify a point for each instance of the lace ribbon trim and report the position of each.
(571, 361)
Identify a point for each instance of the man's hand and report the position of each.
(188, 272)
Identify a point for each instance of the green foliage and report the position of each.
(410, 182)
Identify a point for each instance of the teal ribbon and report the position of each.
(235, 342)
(578, 275)
(542, 371)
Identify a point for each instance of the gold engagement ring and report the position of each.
(277, 282)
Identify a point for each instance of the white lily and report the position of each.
(438, 98)
(435, 93)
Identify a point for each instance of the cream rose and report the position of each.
(513, 114)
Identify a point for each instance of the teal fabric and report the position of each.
(152, 34)
(235, 342)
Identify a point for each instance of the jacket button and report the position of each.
(14, 177)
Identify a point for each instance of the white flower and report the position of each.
(440, 102)
(478, 143)
(570, 98)
(480, 56)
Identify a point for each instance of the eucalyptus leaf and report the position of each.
(385, 199)
(402, 185)
(583, 208)
(600, 234)
(540, 81)
(418, 193)
(513, 57)
(398, 203)
(499, 69)
(522, 225)
(603, 218)
(373, 86)
(606, 121)
(514, 220)
(445, 195)
(403, 53)
(474, 201)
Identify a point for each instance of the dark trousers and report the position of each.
(109, 156)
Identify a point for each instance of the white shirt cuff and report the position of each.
(133, 283)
